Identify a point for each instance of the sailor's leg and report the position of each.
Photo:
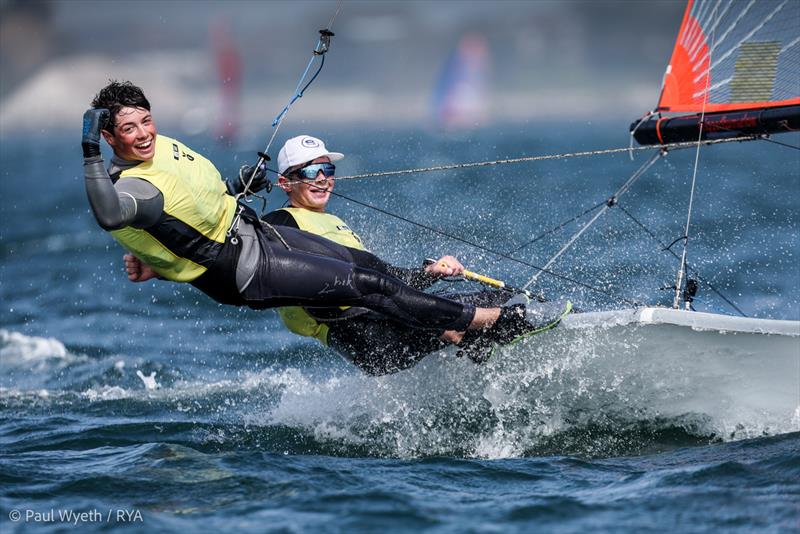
(308, 242)
(302, 241)
(290, 277)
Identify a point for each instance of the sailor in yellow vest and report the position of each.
(169, 206)
(370, 340)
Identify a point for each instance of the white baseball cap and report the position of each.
(301, 149)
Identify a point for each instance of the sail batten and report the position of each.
(790, 45)
(729, 29)
(744, 41)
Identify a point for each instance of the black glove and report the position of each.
(93, 121)
(236, 185)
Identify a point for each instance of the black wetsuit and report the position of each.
(302, 269)
(275, 266)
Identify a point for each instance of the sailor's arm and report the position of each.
(445, 266)
(132, 202)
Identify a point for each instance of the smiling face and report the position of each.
(134, 134)
(311, 195)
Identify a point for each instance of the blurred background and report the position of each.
(227, 68)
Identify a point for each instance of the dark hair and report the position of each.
(117, 95)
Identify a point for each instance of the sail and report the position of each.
(229, 72)
(736, 66)
(734, 55)
(460, 96)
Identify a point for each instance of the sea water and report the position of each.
(148, 406)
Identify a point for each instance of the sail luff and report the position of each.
(681, 34)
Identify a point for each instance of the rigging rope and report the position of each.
(556, 228)
(609, 204)
(682, 267)
(669, 146)
(787, 145)
(323, 44)
(336, 14)
(488, 250)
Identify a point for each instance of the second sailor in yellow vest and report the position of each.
(373, 342)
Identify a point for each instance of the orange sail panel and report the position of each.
(734, 55)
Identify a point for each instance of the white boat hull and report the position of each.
(741, 374)
(695, 320)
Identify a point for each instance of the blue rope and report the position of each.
(299, 92)
(322, 47)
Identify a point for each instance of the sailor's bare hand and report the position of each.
(445, 266)
(137, 270)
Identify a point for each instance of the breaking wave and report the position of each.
(556, 394)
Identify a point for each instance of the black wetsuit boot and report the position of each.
(510, 325)
(516, 321)
(478, 345)
(475, 345)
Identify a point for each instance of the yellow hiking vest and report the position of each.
(296, 318)
(197, 213)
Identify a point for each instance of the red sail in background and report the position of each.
(753, 62)
(229, 71)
